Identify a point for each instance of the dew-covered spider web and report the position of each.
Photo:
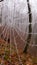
(14, 26)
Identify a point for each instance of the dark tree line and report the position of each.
(30, 28)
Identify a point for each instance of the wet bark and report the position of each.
(30, 28)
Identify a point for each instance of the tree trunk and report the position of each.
(30, 28)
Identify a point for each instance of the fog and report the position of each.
(16, 12)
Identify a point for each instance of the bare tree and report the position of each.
(30, 28)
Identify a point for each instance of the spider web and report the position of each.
(16, 19)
